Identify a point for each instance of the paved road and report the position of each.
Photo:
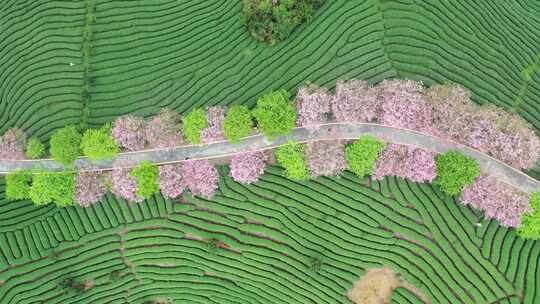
(330, 131)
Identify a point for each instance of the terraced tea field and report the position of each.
(269, 233)
(185, 54)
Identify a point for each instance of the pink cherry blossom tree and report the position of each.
(326, 158)
(91, 187)
(214, 131)
(403, 105)
(498, 200)
(12, 144)
(123, 184)
(200, 177)
(246, 168)
(129, 132)
(452, 110)
(355, 101)
(171, 181)
(409, 162)
(163, 130)
(313, 107)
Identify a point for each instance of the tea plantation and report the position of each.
(257, 243)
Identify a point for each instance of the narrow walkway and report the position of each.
(330, 131)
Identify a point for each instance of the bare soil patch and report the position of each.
(377, 286)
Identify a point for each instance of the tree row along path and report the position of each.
(258, 142)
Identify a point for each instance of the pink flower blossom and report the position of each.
(403, 105)
(200, 177)
(171, 181)
(129, 132)
(90, 187)
(452, 110)
(313, 106)
(123, 184)
(247, 167)
(326, 158)
(214, 131)
(488, 128)
(412, 163)
(498, 200)
(162, 130)
(355, 101)
(12, 144)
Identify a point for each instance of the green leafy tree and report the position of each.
(65, 145)
(237, 123)
(53, 187)
(291, 156)
(18, 185)
(455, 171)
(194, 122)
(275, 114)
(35, 148)
(273, 21)
(530, 222)
(363, 154)
(147, 176)
(99, 143)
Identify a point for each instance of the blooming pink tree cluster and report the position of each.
(160, 131)
(91, 187)
(123, 184)
(408, 162)
(326, 158)
(215, 117)
(129, 132)
(445, 111)
(12, 144)
(163, 130)
(451, 107)
(498, 200)
(200, 177)
(313, 107)
(355, 101)
(403, 105)
(171, 180)
(490, 129)
(246, 168)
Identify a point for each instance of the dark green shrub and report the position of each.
(237, 123)
(18, 185)
(35, 148)
(363, 153)
(147, 176)
(194, 122)
(212, 245)
(291, 157)
(72, 285)
(530, 222)
(275, 114)
(65, 145)
(273, 21)
(315, 264)
(99, 144)
(115, 275)
(455, 171)
(53, 187)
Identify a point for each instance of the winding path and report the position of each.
(330, 131)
